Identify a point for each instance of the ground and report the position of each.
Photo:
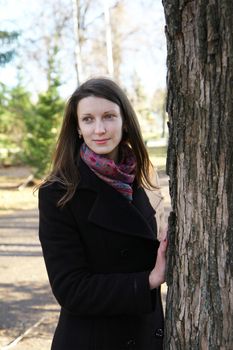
(28, 310)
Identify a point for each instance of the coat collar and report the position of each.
(112, 211)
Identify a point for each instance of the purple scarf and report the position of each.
(120, 176)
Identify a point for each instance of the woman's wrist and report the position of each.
(150, 282)
(155, 280)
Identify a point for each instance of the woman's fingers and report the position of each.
(157, 275)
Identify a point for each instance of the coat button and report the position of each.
(124, 253)
(158, 333)
(130, 343)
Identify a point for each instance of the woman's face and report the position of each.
(101, 124)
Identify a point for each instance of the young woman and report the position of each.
(98, 230)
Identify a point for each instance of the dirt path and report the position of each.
(25, 293)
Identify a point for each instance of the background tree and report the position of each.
(80, 14)
(123, 31)
(119, 35)
(42, 128)
(142, 107)
(6, 40)
(159, 107)
(200, 166)
(51, 38)
(43, 122)
(15, 105)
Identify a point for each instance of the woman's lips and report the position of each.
(101, 142)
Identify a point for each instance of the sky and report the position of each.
(149, 65)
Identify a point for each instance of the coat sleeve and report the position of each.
(74, 286)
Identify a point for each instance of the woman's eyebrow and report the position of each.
(105, 112)
(111, 111)
(86, 114)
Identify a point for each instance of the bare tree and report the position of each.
(45, 44)
(108, 31)
(80, 11)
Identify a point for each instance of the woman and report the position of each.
(97, 227)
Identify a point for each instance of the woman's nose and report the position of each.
(99, 127)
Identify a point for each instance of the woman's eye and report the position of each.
(109, 116)
(87, 119)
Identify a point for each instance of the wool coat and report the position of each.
(99, 250)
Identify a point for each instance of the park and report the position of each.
(185, 114)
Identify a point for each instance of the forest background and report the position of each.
(48, 48)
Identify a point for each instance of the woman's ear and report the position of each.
(79, 133)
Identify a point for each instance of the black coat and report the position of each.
(99, 250)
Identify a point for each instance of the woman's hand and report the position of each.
(157, 275)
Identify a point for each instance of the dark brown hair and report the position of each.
(65, 168)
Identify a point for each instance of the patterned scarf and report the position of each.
(120, 176)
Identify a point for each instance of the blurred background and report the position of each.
(47, 48)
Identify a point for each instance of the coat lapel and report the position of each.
(112, 211)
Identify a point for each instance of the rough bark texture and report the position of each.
(199, 311)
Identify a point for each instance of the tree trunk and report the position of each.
(78, 41)
(199, 311)
(108, 38)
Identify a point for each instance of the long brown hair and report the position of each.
(64, 169)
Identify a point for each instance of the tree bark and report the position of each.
(199, 311)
